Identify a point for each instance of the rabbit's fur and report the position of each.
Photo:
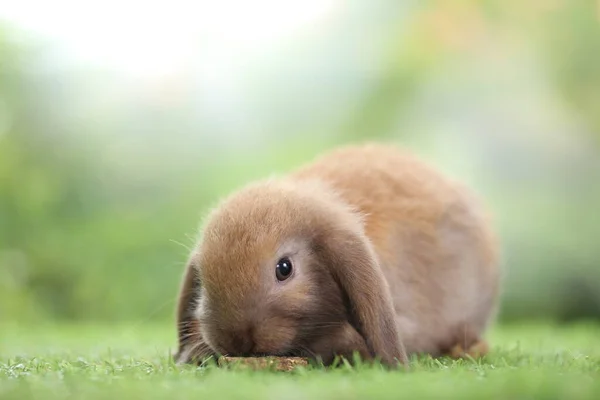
(389, 257)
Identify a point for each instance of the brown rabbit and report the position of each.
(367, 250)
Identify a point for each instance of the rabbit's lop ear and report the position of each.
(188, 327)
(356, 270)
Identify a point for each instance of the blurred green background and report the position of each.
(121, 126)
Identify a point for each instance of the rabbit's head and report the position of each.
(284, 268)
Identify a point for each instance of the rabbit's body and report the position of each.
(390, 257)
(432, 239)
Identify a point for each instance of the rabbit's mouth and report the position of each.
(256, 354)
(289, 353)
(292, 353)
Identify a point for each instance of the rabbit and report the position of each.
(365, 250)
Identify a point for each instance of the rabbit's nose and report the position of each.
(242, 342)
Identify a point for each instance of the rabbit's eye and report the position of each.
(283, 269)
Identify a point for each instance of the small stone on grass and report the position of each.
(257, 363)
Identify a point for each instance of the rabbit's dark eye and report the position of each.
(283, 269)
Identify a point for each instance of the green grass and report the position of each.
(93, 362)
